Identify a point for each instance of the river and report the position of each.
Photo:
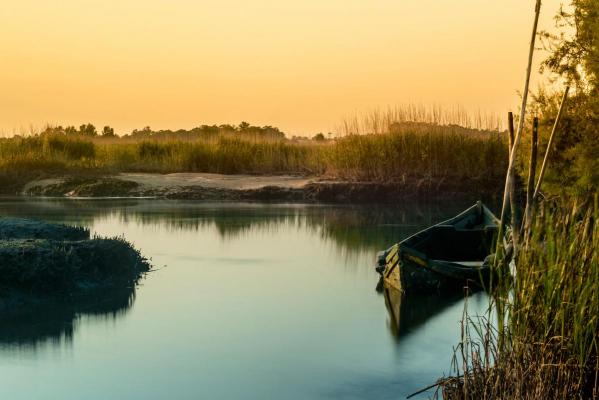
(246, 301)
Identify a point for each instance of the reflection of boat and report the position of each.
(408, 312)
(445, 256)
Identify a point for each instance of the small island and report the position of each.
(41, 261)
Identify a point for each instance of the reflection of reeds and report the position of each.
(549, 347)
(55, 320)
(352, 230)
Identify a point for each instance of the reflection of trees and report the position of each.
(353, 229)
(55, 320)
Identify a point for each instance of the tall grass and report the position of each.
(381, 157)
(419, 151)
(549, 347)
(407, 151)
(380, 120)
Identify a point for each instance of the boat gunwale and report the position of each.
(405, 247)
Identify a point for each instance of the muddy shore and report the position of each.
(281, 188)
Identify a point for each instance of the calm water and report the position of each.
(247, 301)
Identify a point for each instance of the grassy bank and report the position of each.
(42, 258)
(548, 347)
(406, 151)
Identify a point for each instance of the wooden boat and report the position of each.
(444, 257)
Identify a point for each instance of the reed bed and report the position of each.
(408, 150)
(419, 150)
(385, 120)
(548, 344)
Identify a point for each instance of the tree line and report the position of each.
(89, 130)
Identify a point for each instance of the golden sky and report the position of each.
(301, 65)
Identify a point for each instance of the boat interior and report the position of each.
(467, 239)
(446, 242)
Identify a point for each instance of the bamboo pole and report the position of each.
(510, 126)
(556, 123)
(513, 201)
(511, 166)
(532, 169)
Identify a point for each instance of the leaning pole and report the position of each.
(511, 166)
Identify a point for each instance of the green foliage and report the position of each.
(574, 158)
(574, 161)
(576, 56)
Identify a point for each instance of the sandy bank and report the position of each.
(215, 181)
(217, 187)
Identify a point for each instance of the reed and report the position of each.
(409, 150)
(383, 120)
(419, 150)
(549, 347)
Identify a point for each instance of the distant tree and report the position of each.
(49, 130)
(108, 132)
(318, 137)
(70, 130)
(227, 128)
(88, 130)
(142, 133)
(206, 131)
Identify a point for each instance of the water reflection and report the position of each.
(54, 321)
(407, 313)
(353, 229)
(279, 299)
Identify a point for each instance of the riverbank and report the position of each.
(276, 188)
(412, 160)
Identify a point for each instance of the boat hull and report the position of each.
(409, 275)
(445, 257)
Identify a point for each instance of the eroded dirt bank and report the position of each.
(216, 187)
